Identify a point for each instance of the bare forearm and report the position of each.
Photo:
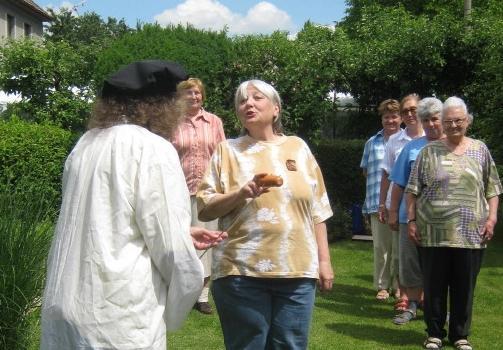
(396, 197)
(320, 231)
(221, 205)
(411, 206)
(493, 208)
(384, 188)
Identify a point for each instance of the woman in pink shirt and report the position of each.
(195, 139)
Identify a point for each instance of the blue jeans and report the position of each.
(264, 313)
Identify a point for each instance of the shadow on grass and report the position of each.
(378, 334)
(355, 301)
(366, 278)
(363, 246)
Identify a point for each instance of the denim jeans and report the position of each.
(264, 313)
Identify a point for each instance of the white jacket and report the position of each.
(122, 267)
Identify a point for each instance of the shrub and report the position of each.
(32, 158)
(339, 161)
(26, 225)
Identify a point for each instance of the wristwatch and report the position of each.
(410, 220)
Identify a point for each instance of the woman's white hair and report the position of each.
(456, 102)
(428, 107)
(268, 90)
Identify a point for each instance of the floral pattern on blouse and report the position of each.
(273, 234)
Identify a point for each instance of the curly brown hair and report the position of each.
(158, 114)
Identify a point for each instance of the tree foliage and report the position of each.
(54, 75)
(485, 91)
(49, 77)
(205, 54)
(381, 49)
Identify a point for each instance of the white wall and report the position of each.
(21, 17)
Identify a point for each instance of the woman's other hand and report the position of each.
(382, 214)
(413, 232)
(393, 220)
(252, 189)
(326, 280)
(204, 239)
(487, 232)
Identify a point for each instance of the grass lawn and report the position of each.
(350, 318)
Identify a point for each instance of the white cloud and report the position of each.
(264, 17)
(66, 5)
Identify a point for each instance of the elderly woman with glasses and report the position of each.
(411, 278)
(452, 205)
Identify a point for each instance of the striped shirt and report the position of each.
(195, 139)
(373, 155)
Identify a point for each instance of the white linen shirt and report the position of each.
(392, 150)
(122, 267)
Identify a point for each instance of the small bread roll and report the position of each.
(270, 181)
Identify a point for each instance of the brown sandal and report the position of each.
(382, 295)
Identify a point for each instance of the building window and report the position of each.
(27, 30)
(11, 26)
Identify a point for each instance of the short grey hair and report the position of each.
(269, 91)
(456, 102)
(428, 107)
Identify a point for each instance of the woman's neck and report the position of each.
(263, 134)
(388, 133)
(193, 112)
(455, 141)
(457, 144)
(441, 137)
(414, 131)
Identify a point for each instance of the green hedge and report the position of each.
(339, 161)
(32, 157)
(26, 226)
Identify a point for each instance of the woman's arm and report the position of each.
(326, 272)
(396, 198)
(411, 219)
(223, 203)
(383, 212)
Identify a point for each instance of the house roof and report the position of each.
(33, 8)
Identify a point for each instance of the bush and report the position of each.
(32, 157)
(339, 161)
(26, 225)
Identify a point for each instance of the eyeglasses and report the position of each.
(457, 122)
(411, 110)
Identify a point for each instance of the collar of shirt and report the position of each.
(200, 115)
(381, 133)
(404, 136)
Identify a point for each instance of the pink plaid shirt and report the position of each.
(195, 139)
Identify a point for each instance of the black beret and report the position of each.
(144, 78)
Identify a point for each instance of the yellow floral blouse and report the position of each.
(272, 235)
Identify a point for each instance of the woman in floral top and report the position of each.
(264, 275)
(452, 210)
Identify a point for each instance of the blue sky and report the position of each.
(241, 16)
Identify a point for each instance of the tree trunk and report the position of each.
(468, 9)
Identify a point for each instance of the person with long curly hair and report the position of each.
(122, 267)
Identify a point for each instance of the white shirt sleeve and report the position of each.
(163, 217)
